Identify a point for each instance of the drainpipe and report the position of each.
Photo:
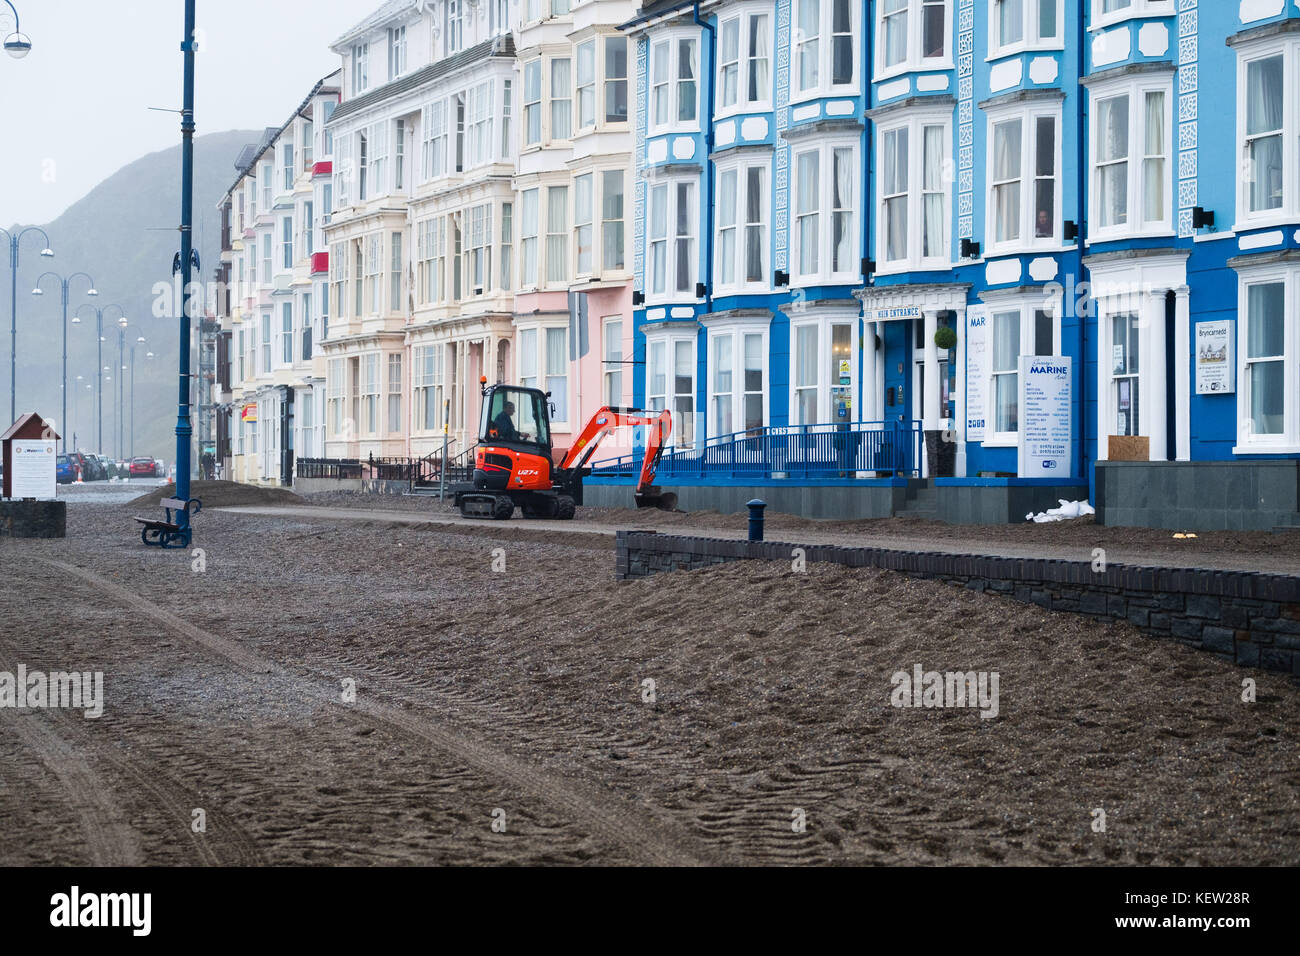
(1083, 232)
(709, 164)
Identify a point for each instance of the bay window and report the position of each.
(822, 370)
(561, 98)
(670, 381)
(532, 102)
(744, 62)
(824, 210)
(1268, 363)
(557, 234)
(1024, 178)
(286, 333)
(334, 395)
(913, 35)
(528, 233)
(737, 373)
(586, 84)
(582, 225)
(616, 79)
(741, 222)
(433, 155)
(913, 169)
(1132, 127)
(825, 45)
(428, 387)
(611, 219)
(395, 424)
(674, 217)
(1018, 326)
(1016, 25)
(370, 392)
(674, 87)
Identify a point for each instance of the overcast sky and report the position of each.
(76, 109)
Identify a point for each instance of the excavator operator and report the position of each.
(505, 426)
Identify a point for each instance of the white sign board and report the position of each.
(1046, 418)
(977, 373)
(33, 465)
(1216, 357)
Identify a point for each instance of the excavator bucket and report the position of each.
(654, 498)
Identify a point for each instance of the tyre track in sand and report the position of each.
(652, 841)
(110, 838)
(64, 744)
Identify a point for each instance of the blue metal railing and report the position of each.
(789, 452)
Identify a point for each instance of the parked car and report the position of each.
(143, 468)
(92, 469)
(105, 468)
(66, 470)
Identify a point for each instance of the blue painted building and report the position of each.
(824, 185)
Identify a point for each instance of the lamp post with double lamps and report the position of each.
(63, 286)
(17, 44)
(46, 252)
(99, 361)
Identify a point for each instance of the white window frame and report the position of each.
(1136, 90)
(360, 68)
(1288, 442)
(673, 289)
(823, 321)
(397, 52)
(1028, 115)
(611, 227)
(1287, 47)
(672, 83)
(1030, 24)
(612, 352)
(1027, 307)
(427, 386)
(825, 50)
(914, 195)
(745, 64)
(737, 330)
(530, 254)
(825, 211)
(669, 337)
(533, 104)
(915, 60)
(743, 224)
(1132, 10)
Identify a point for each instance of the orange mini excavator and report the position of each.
(514, 467)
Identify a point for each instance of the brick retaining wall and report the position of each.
(1245, 616)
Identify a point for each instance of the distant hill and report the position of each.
(124, 234)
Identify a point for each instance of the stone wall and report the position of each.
(1250, 618)
(1199, 496)
(33, 519)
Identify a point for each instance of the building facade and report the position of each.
(822, 185)
(276, 307)
(887, 220)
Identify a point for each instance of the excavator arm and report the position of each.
(659, 428)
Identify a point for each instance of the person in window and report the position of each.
(1045, 230)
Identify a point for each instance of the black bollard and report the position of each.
(756, 519)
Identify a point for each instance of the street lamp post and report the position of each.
(140, 341)
(63, 285)
(184, 431)
(17, 44)
(99, 363)
(47, 252)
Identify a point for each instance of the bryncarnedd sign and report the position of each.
(1216, 358)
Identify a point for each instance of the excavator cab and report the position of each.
(517, 417)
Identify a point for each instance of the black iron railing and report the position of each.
(336, 468)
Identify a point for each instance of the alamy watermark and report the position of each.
(929, 689)
(67, 690)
